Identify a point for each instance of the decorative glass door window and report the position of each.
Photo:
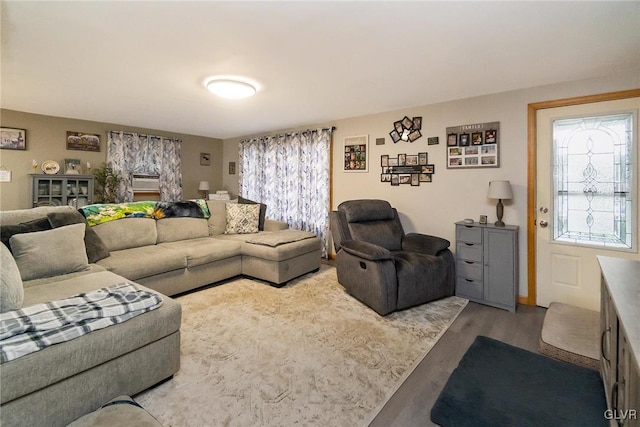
(593, 181)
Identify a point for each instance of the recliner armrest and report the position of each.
(366, 250)
(424, 243)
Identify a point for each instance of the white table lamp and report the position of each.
(204, 187)
(500, 190)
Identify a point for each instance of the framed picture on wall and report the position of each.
(205, 159)
(477, 146)
(356, 152)
(83, 141)
(13, 139)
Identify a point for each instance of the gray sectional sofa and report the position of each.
(60, 383)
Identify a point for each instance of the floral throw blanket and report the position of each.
(100, 213)
(34, 328)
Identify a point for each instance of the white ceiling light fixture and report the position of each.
(231, 89)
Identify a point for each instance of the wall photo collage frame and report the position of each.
(406, 169)
(473, 146)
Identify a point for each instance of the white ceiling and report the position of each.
(144, 63)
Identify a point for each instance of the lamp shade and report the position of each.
(204, 186)
(500, 190)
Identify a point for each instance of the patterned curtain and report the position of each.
(132, 153)
(290, 174)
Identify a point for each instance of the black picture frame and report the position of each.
(417, 123)
(476, 138)
(395, 136)
(415, 180)
(490, 136)
(452, 140)
(13, 138)
(398, 126)
(414, 135)
(395, 179)
(464, 140)
(423, 159)
(411, 160)
(205, 159)
(402, 159)
(384, 160)
(407, 123)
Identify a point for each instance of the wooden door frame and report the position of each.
(532, 111)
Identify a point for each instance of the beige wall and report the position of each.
(46, 140)
(432, 208)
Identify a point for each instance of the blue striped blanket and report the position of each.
(36, 327)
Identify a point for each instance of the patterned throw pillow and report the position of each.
(242, 219)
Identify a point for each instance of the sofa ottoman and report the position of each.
(278, 256)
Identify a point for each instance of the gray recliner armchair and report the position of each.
(382, 266)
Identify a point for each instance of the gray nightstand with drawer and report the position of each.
(487, 264)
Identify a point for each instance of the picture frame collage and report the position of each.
(473, 146)
(406, 129)
(356, 150)
(410, 169)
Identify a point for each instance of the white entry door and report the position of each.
(586, 197)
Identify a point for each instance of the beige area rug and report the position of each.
(307, 353)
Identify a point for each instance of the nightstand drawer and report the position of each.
(469, 234)
(469, 270)
(469, 288)
(469, 251)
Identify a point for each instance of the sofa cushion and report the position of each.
(23, 215)
(96, 249)
(218, 219)
(127, 233)
(6, 231)
(11, 291)
(51, 252)
(93, 268)
(145, 261)
(58, 362)
(242, 219)
(263, 210)
(174, 229)
(204, 250)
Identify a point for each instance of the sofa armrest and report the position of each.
(273, 225)
(424, 243)
(366, 250)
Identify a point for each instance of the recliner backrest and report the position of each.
(373, 221)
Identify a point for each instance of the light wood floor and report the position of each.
(411, 404)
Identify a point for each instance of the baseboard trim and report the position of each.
(524, 300)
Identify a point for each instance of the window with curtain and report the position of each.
(290, 174)
(131, 153)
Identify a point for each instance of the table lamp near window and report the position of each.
(204, 188)
(500, 190)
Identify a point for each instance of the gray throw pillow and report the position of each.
(6, 231)
(11, 291)
(96, 248)
(50, 253)
(242, 219)
(263, 210)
